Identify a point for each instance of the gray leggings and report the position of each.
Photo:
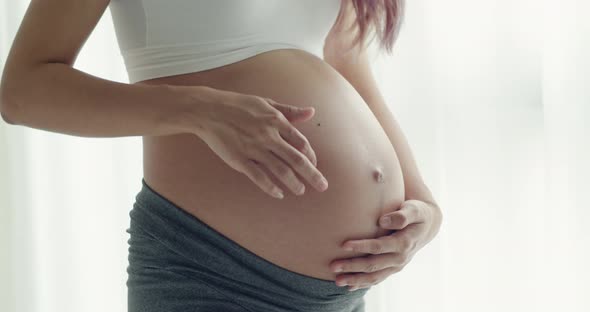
(179, 263)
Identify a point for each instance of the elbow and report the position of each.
(10, 98)
(7, 106)
(10, 94)
(7, 119)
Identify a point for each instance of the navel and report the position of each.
(378, 175)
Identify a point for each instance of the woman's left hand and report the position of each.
(416, 223)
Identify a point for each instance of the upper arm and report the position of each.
(55, 30)
(52, 31)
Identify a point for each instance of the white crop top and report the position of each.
(169, 37)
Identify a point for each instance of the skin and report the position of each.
(419, 218)
(42, 52)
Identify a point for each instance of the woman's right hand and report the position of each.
(248, 132)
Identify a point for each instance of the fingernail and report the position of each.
(278, 194)
(301, 190)
(385, 221)
(323, 184)
(341, 283)
(338, 268)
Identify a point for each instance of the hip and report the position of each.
(177, 261)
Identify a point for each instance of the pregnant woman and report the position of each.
(267, 148)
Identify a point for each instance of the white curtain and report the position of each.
(494, 98)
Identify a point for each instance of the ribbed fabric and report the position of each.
(170, 37)
(179, 263)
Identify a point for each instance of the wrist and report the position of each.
(192, 107)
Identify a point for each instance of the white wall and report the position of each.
(493, 97)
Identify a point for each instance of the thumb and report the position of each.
(294, 113)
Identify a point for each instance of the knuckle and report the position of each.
(375, 248)
(371, 267)
(416, 213)
(299, 159)
(308, 149)
(300, 140)
(345, 266)
(300, 144)
(275, 117)
(401, 220)
(302, 150)
(407, 260)
(265, 132)
(260, 132)
(405, 244)
(403, 259)
(413, 245)
(282, 170)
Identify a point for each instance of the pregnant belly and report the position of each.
(299, 233)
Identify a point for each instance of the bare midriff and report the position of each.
(303, 233)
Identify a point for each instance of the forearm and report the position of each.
(58, 98)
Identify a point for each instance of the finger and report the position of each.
(367, 264)
(291, 112)
(300, 164)
(252, 170)
(365, 279)
(282, 118)
(281, 171)
(401, 218)
(287, 132)
(297, 140)
(371, 246)
(380, 245)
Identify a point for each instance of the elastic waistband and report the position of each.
(191, 237)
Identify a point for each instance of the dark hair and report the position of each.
(382, 17)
